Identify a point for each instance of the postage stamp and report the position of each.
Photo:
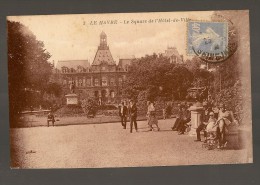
(208, 40)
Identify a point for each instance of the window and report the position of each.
(88, 82)
(84, 81)
(96, 94)
(120, 81)
(64, 70)
(70, 80)
(103, 68)
(112, 94)
(96, 82)
(64, 82)
(112, 81)
(104, 81)
(80, 83)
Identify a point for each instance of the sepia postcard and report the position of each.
(130, 89)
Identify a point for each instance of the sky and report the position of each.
(73, 37)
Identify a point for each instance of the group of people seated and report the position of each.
(215, 120)
(215, 127)
(183, 118)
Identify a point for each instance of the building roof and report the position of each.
(103, 55)
(125, 61)
(72, 64)
(172, 51)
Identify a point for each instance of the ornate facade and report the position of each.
(174, 56)
(102, 80)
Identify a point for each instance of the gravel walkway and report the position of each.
(109, 145)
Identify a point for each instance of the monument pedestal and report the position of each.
(196, 112)
(71, 99)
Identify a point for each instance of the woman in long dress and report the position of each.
(151, 114)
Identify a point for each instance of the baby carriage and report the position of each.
(211, 141)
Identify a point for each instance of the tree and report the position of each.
(28, 67)
(53, 88)
(201, 75)
(146, 74)
(179, 80)
(156, 79)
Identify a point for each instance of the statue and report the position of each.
(72, 87)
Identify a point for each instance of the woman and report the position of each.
(178, 118)
(215, 110)
(151, 114)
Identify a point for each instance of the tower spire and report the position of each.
(103, 40)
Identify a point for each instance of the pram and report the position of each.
(211, 141)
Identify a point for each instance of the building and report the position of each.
(124, 63)
(173, 54)
(102, 80)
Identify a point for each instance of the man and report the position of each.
(186, 117)
(50, 118)
(168, 110)
(225, 118)
(203, 125)
(123, 114)
(133, 116)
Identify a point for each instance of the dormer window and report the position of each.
(96, 82)
(104, 81)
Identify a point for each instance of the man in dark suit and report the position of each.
(133, 115)
(50, 118)
(123, 114)
(186, 117)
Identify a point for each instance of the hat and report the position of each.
(222, 105)
(211, 113)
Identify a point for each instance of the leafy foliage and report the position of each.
(89, 106)
(156, 77)
(53, 88)
(28, 67)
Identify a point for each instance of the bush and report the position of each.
(89, 106)
(232, 98)
(69, 110)
(107, 107)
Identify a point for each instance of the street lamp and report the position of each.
(211, 70)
